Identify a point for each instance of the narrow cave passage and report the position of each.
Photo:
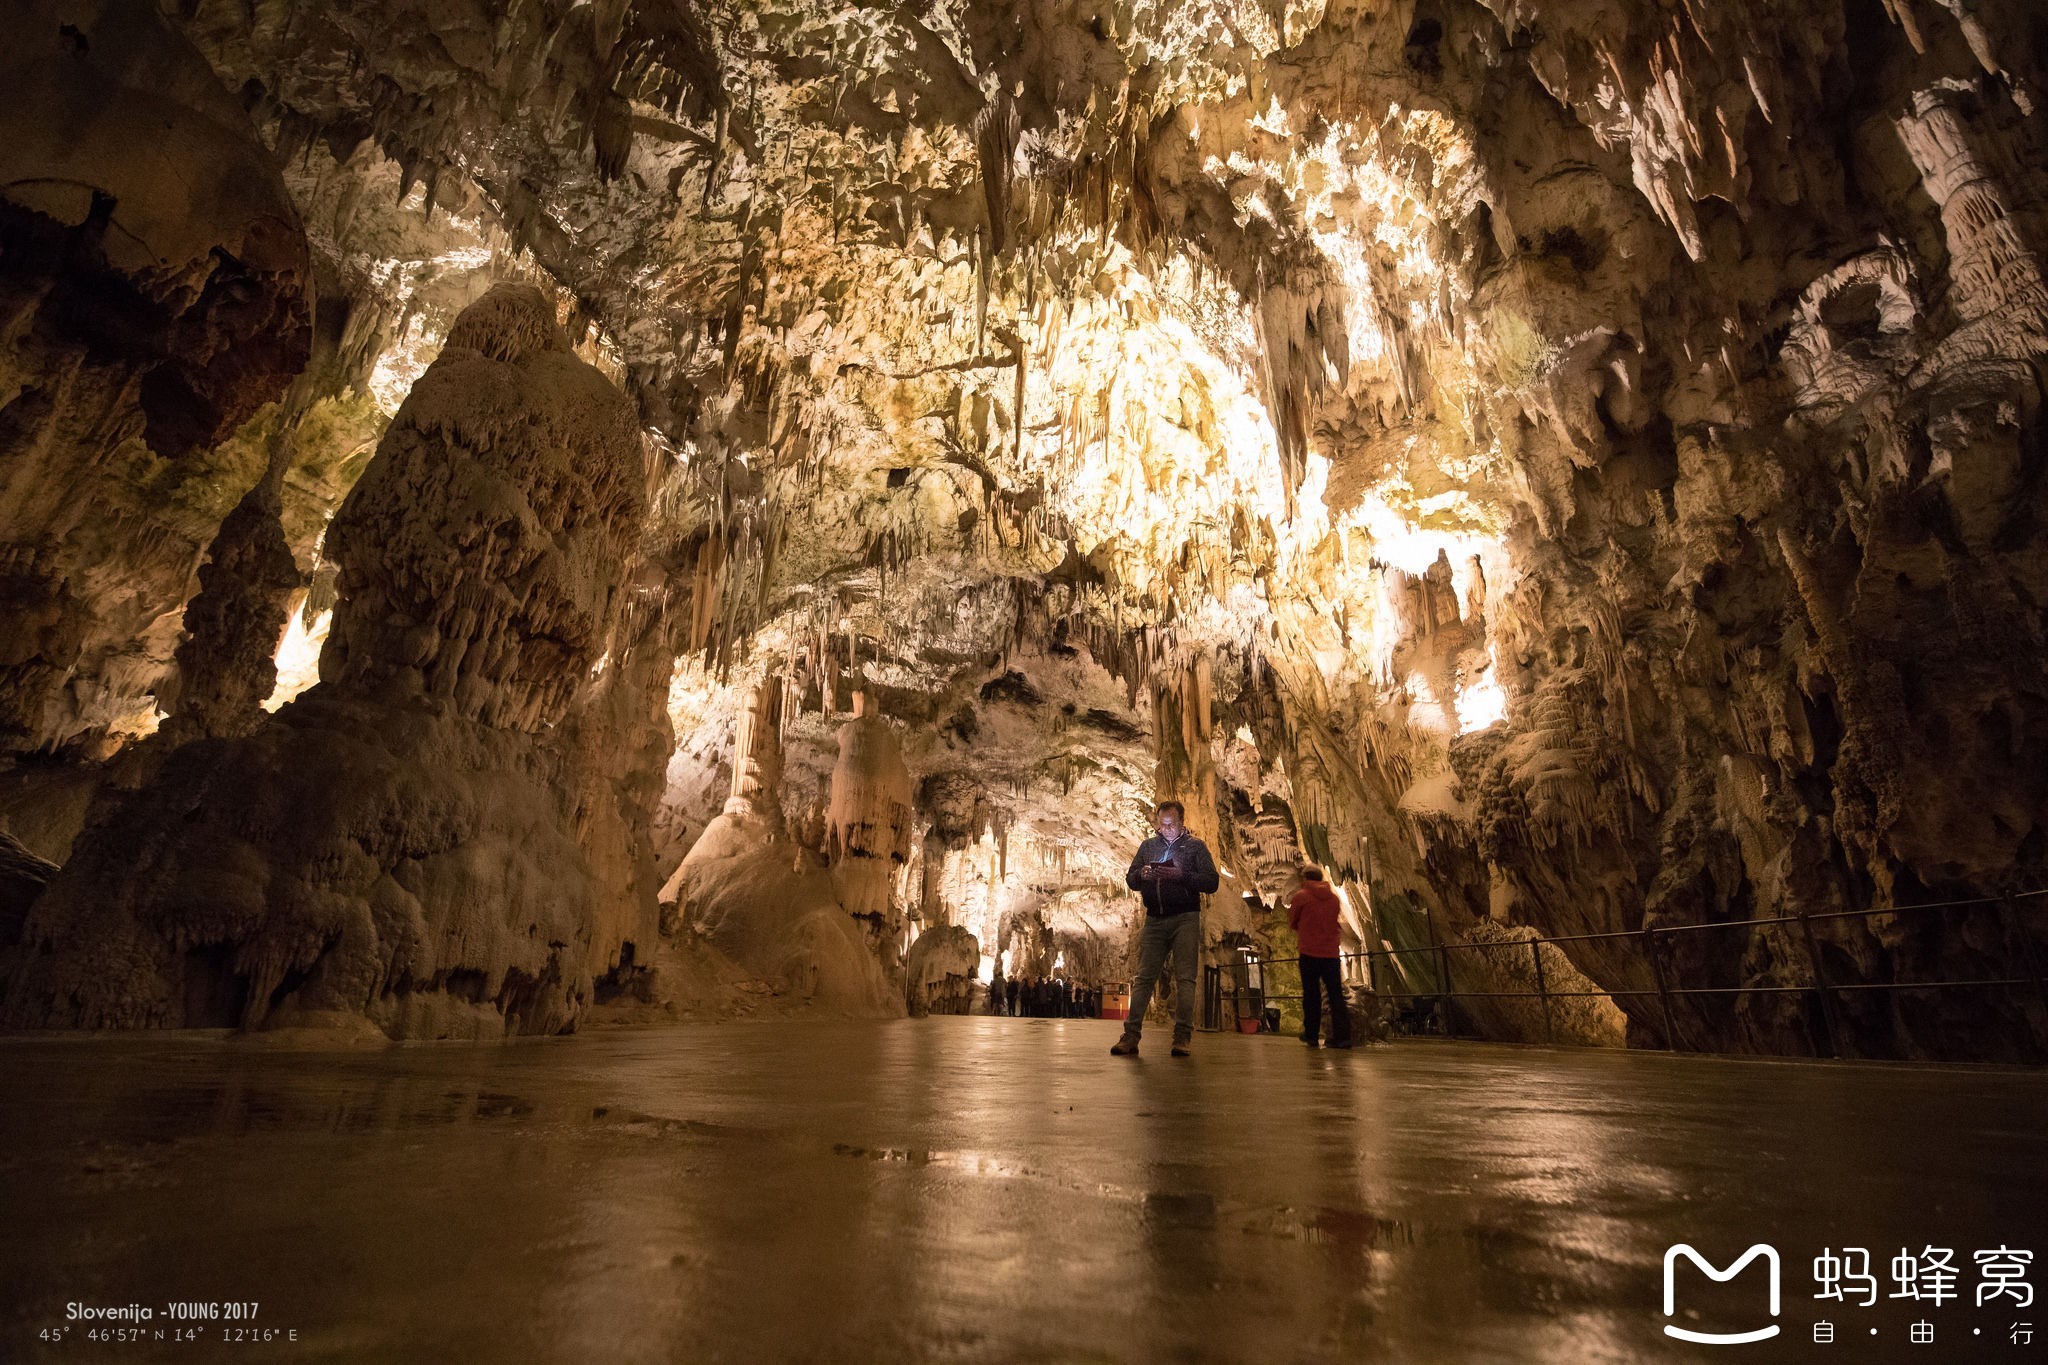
(711, 642)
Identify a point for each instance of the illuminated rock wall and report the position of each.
(156, 287)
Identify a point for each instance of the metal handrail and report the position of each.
(1655, 937)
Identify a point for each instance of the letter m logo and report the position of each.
(1770, 1256)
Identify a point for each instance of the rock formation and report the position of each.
(758, 915)
(757, 755)
(226, 663)
(1568, 470)
(399, 843)
(868, 820)
(942, 971)
(23, 876)
(156, 288)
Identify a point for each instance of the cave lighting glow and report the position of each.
(1480, 703)
(298, 657)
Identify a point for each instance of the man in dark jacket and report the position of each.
(1172, 872)
(1313, 913)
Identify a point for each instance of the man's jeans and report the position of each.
(1327, 972)
(1182, 936)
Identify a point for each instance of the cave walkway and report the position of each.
(981, 1189)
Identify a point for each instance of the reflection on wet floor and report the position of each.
(975, 1189)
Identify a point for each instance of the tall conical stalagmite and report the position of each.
(399, 844)
(226, 664)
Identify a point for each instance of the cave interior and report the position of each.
(523, 517)
(589, 588)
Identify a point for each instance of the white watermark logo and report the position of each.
(1770, 1256)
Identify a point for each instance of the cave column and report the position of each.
(757, 754)
(1994, 268)
(868, 823)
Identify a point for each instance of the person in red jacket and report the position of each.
(1313, 913)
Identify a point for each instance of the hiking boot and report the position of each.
(1181, 1038)
(1126, 1046)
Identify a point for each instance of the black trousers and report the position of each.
(1327, 974)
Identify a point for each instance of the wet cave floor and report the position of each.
(987, 1190)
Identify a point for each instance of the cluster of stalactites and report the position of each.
(1304, 353)
(732, 563)
(572, 72)
(1184, 729)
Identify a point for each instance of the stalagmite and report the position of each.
(394, 849)
(868, 821)
(757, 754)
(940, 971)
(753, 911)
(155, 280)
(232, 628)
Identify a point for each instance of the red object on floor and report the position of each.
(1247, 1026)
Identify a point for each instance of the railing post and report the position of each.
(1653, 949)
(1443, 968)
(1549, 1025)
(2028, 957)
(1820, 984)
(1443, 959)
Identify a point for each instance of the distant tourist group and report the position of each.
(1042, 999)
